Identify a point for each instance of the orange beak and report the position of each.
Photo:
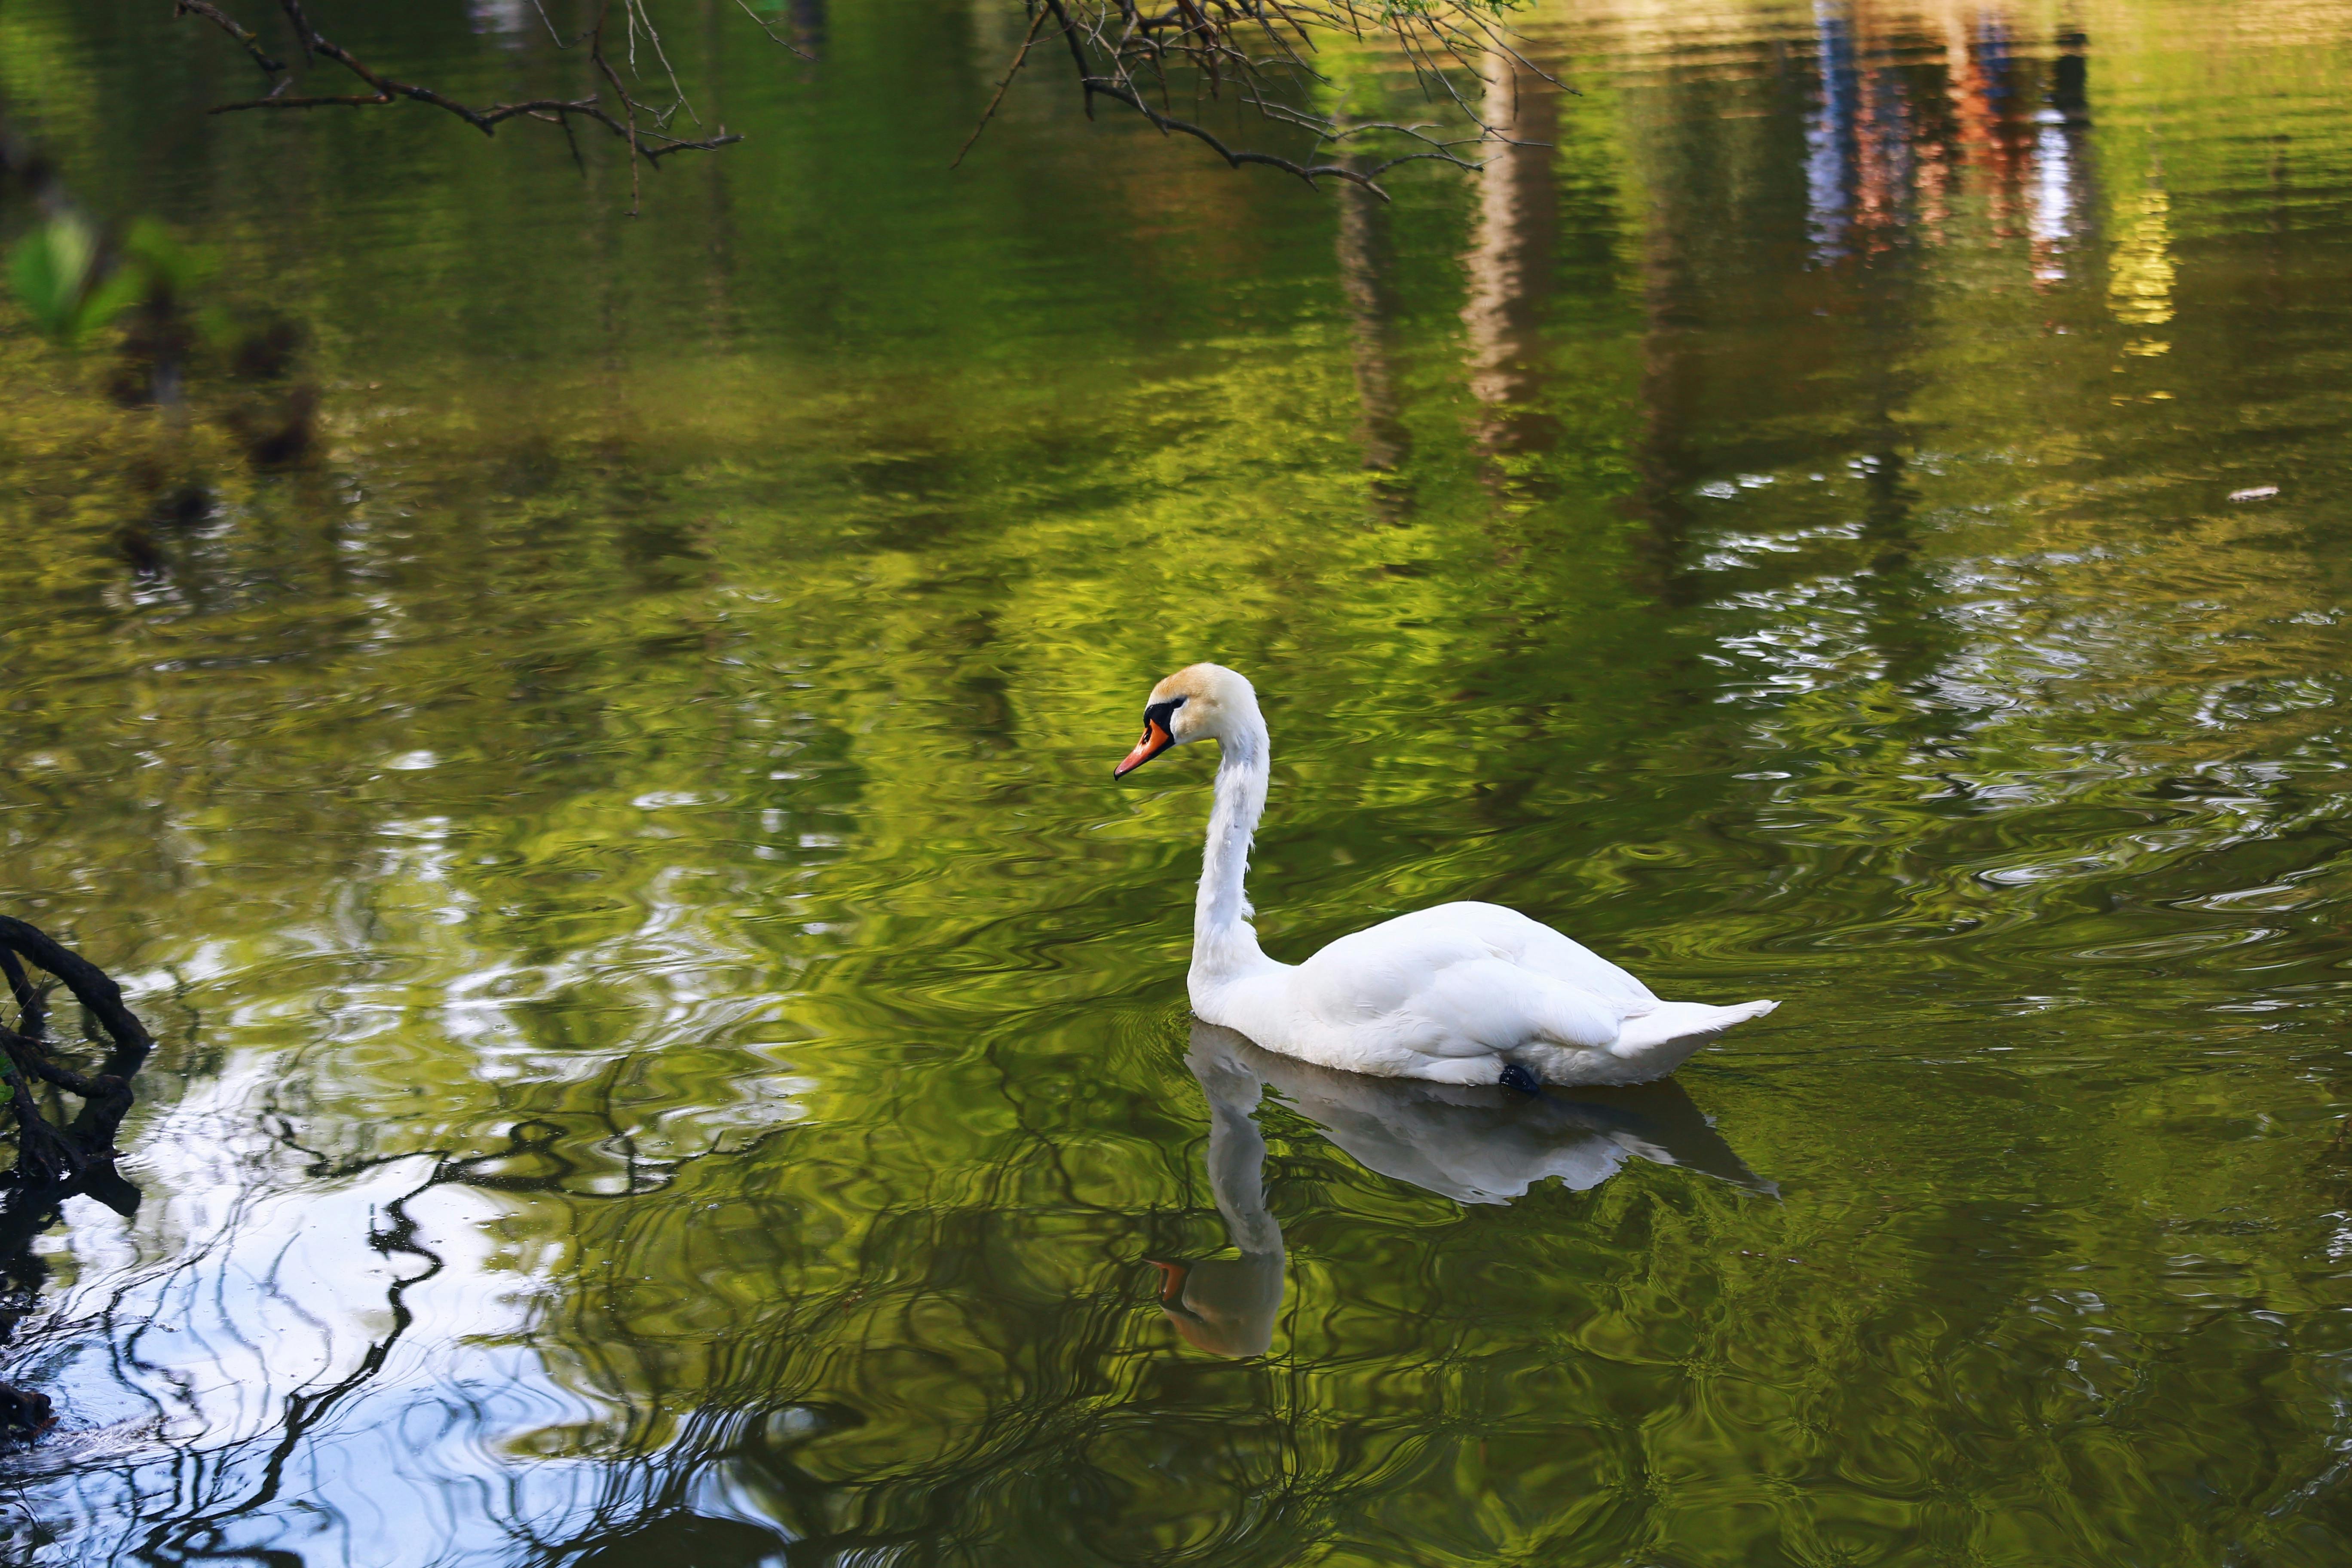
(1172, 1279)
(1155, 740)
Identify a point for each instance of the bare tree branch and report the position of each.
(221, 19)
(1259, 54)
(1037, 16)
(773, 37)
(635, 122)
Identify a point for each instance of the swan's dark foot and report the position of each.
(1519, 1077)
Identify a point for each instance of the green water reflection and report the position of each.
(674, 1045)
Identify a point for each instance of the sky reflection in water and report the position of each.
(674, 1048)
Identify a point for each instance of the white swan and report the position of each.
(1459, 993)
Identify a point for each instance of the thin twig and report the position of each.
(653, 142)
(773, 37)
(1037, 16)
(596, 54)
(1235, 157)
(227, 24)
(637, 12)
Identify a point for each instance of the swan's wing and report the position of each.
(1529, 943)
(1428, 988)
(1501, 1005)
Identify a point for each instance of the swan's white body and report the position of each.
(1458, 993)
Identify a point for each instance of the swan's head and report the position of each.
(1199, 702)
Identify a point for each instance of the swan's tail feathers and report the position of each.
(1680, 1023)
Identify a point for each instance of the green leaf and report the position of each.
(49, 269)
(167, 262)
(71, 290)
(114, 292)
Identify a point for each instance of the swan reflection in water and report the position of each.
(1472, 1144)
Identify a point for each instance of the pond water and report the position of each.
(674, 1047)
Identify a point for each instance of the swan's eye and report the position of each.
(1156, 737)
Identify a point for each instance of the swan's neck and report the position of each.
(1223, 945)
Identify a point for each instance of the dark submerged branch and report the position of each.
(90, 985)
(32, 1001)
(54, 1163)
